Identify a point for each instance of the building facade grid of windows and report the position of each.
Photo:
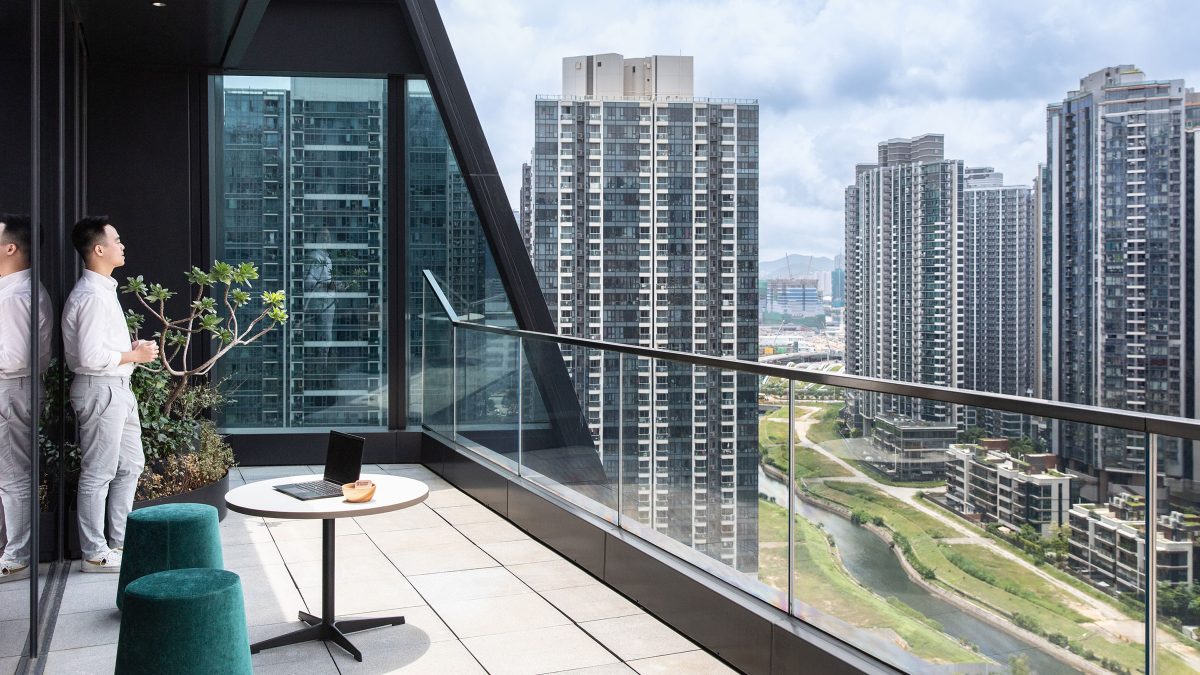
(1119, 260)
(304, 198)
(1108, 544)
(994, 486)
(644, 206)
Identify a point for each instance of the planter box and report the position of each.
(212, 494)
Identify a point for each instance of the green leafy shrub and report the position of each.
(182, 472)
(1027, 622)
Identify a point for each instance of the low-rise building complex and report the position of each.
(1108, 544)
(987, 484)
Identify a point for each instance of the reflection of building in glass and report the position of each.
(445, 236)
(645, 231)
(1108, 544)
(986, 484)
(304, 174)
(1119, 332)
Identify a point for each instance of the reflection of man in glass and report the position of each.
(319, 303)
(17, 413)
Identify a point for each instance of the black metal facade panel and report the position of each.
(433, 454)
(573, 538)
(397, 255)
(384, 447)
(731, 631)
(14, 113)
(483, 484)
(792, 654)
(330, 37)
(135, 32)
(142, 172)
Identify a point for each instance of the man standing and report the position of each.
(98, 350)
(17, 412)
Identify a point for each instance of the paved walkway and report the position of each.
(478, 594)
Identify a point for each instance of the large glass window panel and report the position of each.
(444, 234)
(435, 370)
(303, 183)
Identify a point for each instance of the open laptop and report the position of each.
(343, 462)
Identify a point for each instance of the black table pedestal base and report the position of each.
(326, 627)
(334, 632)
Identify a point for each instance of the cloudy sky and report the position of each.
(833, 78)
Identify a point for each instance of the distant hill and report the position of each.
(800, 266)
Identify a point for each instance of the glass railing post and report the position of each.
(520, 404)
(620, 437)
(453, 380)
(424, 351)
(1151, 549)
(791, 488)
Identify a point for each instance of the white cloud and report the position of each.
(833, 78)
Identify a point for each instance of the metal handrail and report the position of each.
(1165, 425)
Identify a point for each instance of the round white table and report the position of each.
(262, 499)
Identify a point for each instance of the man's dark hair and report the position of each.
(88, 232)
(16, 231)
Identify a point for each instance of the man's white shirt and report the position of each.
(94, 330)
(15, 299)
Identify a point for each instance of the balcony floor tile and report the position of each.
(478, 596)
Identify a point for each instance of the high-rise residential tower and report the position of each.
(941, 279)
(998, 304)
(525, 213)
(645, 231)
(1120, 249)
(903, 219)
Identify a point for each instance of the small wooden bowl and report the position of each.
(358, 494)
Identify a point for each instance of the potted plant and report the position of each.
(186, 458)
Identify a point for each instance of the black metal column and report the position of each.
(328, 579)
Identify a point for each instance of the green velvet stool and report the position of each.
(169, 537)
(184, 622)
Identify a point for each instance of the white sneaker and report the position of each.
(109, 562)
(11, 570)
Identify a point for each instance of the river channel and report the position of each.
(870, 561)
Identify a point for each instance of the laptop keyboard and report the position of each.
(323, 488)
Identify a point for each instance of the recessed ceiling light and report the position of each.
(159, 4)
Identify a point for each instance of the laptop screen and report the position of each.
(343, 458)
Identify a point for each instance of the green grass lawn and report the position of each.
(773, 444)
(823, 583)
(826, 427)
(987, 577)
